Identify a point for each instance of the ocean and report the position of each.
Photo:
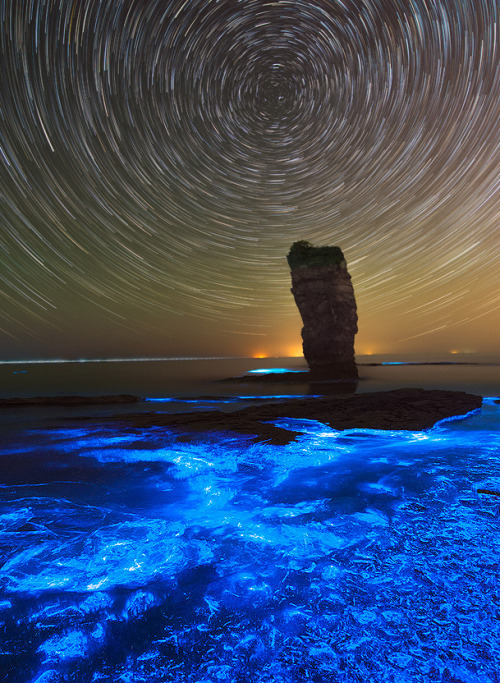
(194, 377)
(132, 554)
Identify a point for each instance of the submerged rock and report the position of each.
(323, 292)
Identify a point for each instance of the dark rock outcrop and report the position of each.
(414, 409)
(323, 292)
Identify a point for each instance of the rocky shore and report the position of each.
(411, 409)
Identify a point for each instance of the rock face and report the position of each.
(324, 295)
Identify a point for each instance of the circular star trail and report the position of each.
(159, 158)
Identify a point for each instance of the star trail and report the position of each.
(158, 158)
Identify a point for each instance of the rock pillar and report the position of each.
(323, 292)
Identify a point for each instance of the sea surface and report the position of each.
(131, 554)
(195, 377)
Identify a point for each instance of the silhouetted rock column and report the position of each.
(324, 295)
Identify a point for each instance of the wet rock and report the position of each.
(96, 602)
(489, 487)
(138, 604)
(68, 646)
(48, 676)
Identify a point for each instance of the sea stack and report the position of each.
(323, 292)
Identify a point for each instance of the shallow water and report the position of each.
(362, 555)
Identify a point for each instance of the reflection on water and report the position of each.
(361, 555)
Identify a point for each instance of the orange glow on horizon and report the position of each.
(260, 355)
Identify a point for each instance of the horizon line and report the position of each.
(119, 360)
(41, 361)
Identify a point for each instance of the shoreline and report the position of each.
(399, 409)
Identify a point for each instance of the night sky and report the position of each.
(159, 157)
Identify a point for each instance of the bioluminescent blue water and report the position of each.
(449, 362)
(360, 555)
(400, 363)
(228, 399)
(273, 371)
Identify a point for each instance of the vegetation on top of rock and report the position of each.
(302, 254)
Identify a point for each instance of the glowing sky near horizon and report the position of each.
(158, 158)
